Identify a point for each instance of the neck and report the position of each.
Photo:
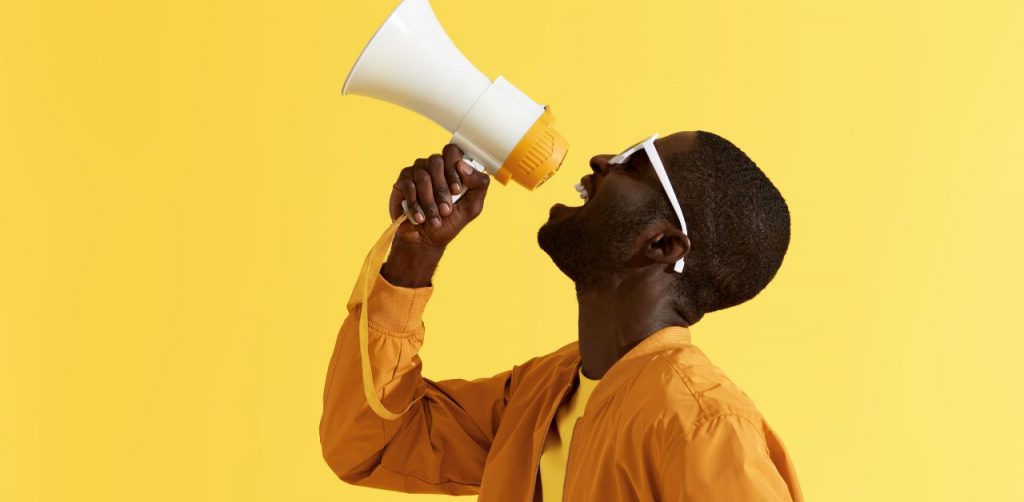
(617, 315)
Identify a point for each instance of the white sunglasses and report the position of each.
(652, 153)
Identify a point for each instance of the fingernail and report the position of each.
(465, 168)
(435, 222)
(418, 217)
(445, 208)
(456, 188)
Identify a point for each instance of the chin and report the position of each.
(559, 239)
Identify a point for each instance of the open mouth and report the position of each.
(582, 191)
(585, 188)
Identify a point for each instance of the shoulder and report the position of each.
(680, 390)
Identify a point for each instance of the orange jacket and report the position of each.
(663, 424)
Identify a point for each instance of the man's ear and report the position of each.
(666, 244)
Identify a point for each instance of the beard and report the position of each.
(596, 241)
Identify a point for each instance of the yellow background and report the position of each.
(185, 198)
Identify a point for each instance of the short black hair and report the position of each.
(737, 221)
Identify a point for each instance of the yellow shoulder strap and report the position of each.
(367, 278)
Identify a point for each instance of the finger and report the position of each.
(425, 196)
(452, 155)
(407, 187)
(472, 178)
(395, 203)
(476, 190)
(437, 180)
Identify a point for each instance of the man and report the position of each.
(633, 410)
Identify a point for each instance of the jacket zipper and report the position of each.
(551, 416)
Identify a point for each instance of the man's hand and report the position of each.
(427, 187)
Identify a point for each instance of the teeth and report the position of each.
(582, 191)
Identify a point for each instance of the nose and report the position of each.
(599, 163)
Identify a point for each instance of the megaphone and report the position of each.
(411, 62)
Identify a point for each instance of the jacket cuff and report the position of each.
(396, 310)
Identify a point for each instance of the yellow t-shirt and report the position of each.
(555, 455)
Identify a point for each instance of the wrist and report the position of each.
(411, 265)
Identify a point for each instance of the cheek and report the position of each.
(606, 206)
(623, 192)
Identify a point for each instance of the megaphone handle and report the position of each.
(455, 197)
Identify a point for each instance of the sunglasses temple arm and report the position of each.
(659, 168)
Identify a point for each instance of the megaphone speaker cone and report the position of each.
(410, 61)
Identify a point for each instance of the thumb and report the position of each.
(476, 183)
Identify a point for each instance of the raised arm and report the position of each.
(440, 443)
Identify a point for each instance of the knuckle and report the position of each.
(421, 176)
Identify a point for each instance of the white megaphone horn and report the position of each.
(411, 62)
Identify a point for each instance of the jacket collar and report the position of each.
(667, 338)
(664, 339)
(671, 337)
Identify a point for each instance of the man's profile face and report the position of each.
(601, 236)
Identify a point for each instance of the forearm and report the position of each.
(350, 431)
(401, 455)
(411, 266)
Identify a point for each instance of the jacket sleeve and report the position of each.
(439, 445)
(725, 459)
